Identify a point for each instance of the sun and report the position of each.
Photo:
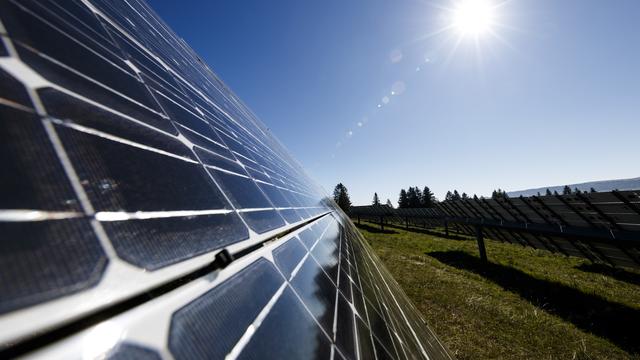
(473, 17)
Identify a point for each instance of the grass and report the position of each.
(523, 304)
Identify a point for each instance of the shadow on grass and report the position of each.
(592, 313)
(429, 232)
(375, 229)
(618, 274)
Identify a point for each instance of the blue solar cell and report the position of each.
(288, 255)
(210, 326)
(45, 260)
(288, 332)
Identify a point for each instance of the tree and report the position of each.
(376, 200)
(577, 191)
(389, 204)
(403, 200)
(548, 193)
(428, 199)
(499, 194)
(449, 196)
(414, 196)
(566, 190)
(341, 197)
(465, 196)
(456, 195)
(592, 190)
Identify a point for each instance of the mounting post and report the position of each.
(480, 239)
(446, 228)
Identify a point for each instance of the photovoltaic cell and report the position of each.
(32, 177)
(155, 243)
(288, 332)
(13, 90)
(47, 259)
(210, 326)
(317, 291)
(288, 255)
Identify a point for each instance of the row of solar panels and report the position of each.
(131, 175)
(602, 227)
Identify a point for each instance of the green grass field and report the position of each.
(523, 304)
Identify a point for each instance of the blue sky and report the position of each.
(551, 96)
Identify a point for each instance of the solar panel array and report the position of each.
(602, 227)
(147, 213)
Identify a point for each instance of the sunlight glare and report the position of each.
(473, 17)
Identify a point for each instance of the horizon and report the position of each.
(400, 93)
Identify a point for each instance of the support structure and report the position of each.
(480, 239)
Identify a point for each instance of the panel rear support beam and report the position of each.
(480, 240)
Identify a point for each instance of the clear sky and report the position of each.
(547, 94)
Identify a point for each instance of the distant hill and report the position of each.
(605, 185)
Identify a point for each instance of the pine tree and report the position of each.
(413, 199)
(341, 197)
(389, 204)
(376, 200)
(465, 196)
(456, 195)
(428, 199)
(548, 193)
(592, 190)
(403, 200)
(577, 191)
(449, 196)
(566, 190)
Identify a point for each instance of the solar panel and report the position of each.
(602, 227)
(147, 213)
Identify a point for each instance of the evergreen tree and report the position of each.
(548, 193)
(566, 190)
(376, 200)
(403, 200)
(538, 193)
(413, 199)
(341, 197)
(592, 190)
(389, 204)
(456, 195)
(465, 196)
(449, 196)
(428, 199)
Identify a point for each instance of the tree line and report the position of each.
(410, 198)
(416, 198)
(413, 197)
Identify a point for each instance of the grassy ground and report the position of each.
(524, 304)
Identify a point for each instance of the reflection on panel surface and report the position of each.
(131, 172)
